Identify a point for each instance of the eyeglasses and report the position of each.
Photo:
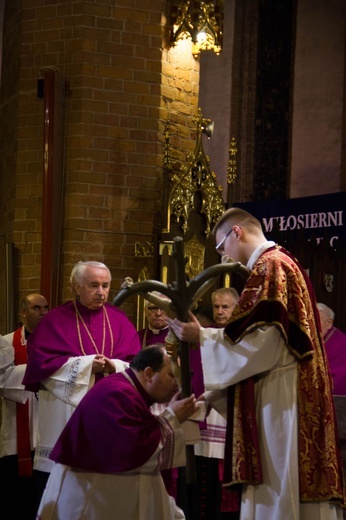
(223, 240)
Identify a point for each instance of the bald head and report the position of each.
(32, 309)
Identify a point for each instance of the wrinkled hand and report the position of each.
(189, 331)
(102, 364)
(183, 408)
(109, 366)
(98, 364)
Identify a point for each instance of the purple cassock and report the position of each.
(149, 337)
(112, 430)
(60, 336)
(335, 343)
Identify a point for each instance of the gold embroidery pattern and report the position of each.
(278, 281)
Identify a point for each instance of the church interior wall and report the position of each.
(122, 86)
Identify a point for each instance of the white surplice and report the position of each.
(212, 444)
(134, 495)
(263, 353)
(12, 392)
(58, 397)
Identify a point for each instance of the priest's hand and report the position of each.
(186, 331)
(98, 364)
(183, 408)
(102, 364)
(109, 366)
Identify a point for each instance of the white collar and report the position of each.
(157, 331)
(258, 251)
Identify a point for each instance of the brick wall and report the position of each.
(8, 142)
(122, 87)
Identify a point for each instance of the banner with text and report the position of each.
(321, 217)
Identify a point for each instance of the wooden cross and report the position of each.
(182, 297)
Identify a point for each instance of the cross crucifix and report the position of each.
(182, 297)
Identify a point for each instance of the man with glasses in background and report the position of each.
(157, 327)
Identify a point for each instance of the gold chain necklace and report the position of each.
(79, 317)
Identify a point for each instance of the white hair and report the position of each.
(223, 291)
(79, 269)
(327, 311)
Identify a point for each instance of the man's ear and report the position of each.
(148, 373)
(74, 287)
(237, 231)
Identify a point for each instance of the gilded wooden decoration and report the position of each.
(145, 249)
(140, 322)
(194, 252)
(232, 163)
(191, 178)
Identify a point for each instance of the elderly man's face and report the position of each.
(156, 317)
(93, 290)
(223, 306)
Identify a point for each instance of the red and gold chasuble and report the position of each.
(278, 292)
